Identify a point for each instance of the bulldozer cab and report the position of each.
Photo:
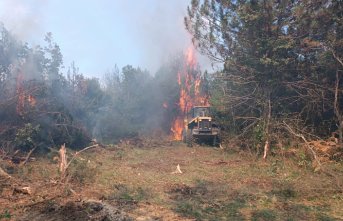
(200, 111)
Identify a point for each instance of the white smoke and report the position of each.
(22, 19)
(155, 29)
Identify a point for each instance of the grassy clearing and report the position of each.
(214, 185)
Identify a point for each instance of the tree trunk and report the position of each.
(340, 135)
(338, 111)
(267, 131)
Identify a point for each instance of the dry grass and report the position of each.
(214, 185)
(231, 184)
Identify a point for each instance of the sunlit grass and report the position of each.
(239, 187)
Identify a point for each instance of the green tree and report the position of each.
(319, 28)
(251, 38)
(282, 60)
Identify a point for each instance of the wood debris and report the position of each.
(178, 169)
(24, 190)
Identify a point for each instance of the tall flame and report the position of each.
(188, 78)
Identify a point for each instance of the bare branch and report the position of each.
(305, 140)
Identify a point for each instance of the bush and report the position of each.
(5, 215)
(26, 136)
(81, 171)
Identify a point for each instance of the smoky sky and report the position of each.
(98, 35)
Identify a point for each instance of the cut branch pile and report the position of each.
(17, 157)
(308, 146)
(327, 150)
(321, 150)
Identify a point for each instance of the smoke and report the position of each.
(99, 34)
(158, 31)
(22, 19)
(149, 36)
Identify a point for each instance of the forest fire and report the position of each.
(189, 80)
(32, 100)
(20, 94)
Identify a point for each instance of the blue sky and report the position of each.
(99, 34)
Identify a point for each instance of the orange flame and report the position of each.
(20, 94)
(191, 61)
(177, 128)
(32, 100)
(179, 78)
(187, 99)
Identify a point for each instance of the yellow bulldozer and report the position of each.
(200, 127)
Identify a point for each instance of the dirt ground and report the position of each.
(172, 182)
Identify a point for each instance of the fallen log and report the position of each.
(27, 156)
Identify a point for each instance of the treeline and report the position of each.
(283, 66)
(281, 76)
(40, 106)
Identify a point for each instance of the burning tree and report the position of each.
(191, 93)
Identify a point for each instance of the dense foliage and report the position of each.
(282, 64)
